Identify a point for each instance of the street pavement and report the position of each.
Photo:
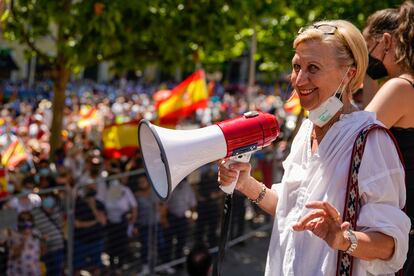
(246, 258)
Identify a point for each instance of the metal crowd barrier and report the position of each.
(99, 237)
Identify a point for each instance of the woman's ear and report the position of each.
(351, 73)
(387, 37)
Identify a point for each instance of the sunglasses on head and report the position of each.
(326, 29)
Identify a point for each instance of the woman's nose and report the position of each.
(301, 78)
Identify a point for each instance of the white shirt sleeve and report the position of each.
(132, 202)
(382, 190)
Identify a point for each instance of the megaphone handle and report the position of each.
(245, 158)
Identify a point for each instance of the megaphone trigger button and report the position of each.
(251, 114)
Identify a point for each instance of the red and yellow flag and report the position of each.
(187, 97)
(293, 104)
(88, 116)
(120, 140)
(13, 155)
(3, 183)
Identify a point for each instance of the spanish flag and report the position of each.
(88, 116)
(120, 140)
(14, 154)
(293, 104)
(3, 183)
(187, 97)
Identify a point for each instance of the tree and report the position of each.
(82, 33)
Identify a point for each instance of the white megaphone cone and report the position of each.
(170, 155)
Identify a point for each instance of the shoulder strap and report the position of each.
(412, 83)
(352, 200)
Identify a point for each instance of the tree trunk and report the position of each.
(60, 81)
(196, 59)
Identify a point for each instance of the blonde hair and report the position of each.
(349, 44)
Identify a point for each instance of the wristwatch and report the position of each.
(350, 235)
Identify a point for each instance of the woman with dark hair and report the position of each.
(389, 34)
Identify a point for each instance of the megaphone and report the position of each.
(170, 155)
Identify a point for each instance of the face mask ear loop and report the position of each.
(339, 94)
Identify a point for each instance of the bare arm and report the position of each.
(247, 185)
(325, 222)
(134, 215)
(85, 224)
(392, 101)
(373, 245)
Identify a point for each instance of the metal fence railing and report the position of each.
(115, 224)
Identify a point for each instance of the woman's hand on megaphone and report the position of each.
(236, 171)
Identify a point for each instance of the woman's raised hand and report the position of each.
(325, 222)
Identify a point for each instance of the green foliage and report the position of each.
(172, 33)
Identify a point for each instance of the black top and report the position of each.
(84, 213)
(405, 139)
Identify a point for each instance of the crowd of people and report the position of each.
(111, 211)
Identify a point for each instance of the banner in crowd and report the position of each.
(185, 98)
(120, 140)
(14, 154)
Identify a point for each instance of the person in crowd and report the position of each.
(49, 221)
(389, 34)
(25, 247)
(199, 261)
(44, 177)
(181, 201)
(93, 172)
(329, 63)
(209, 198)
(121, 207)
(26, 199)
(152, 216)
(90, 222)
(132, 166)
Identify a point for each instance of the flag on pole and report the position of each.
(14, 154)
(187, 97)
(120, 140)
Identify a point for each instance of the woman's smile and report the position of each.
(306, 92)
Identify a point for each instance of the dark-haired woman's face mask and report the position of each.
(376, 69)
